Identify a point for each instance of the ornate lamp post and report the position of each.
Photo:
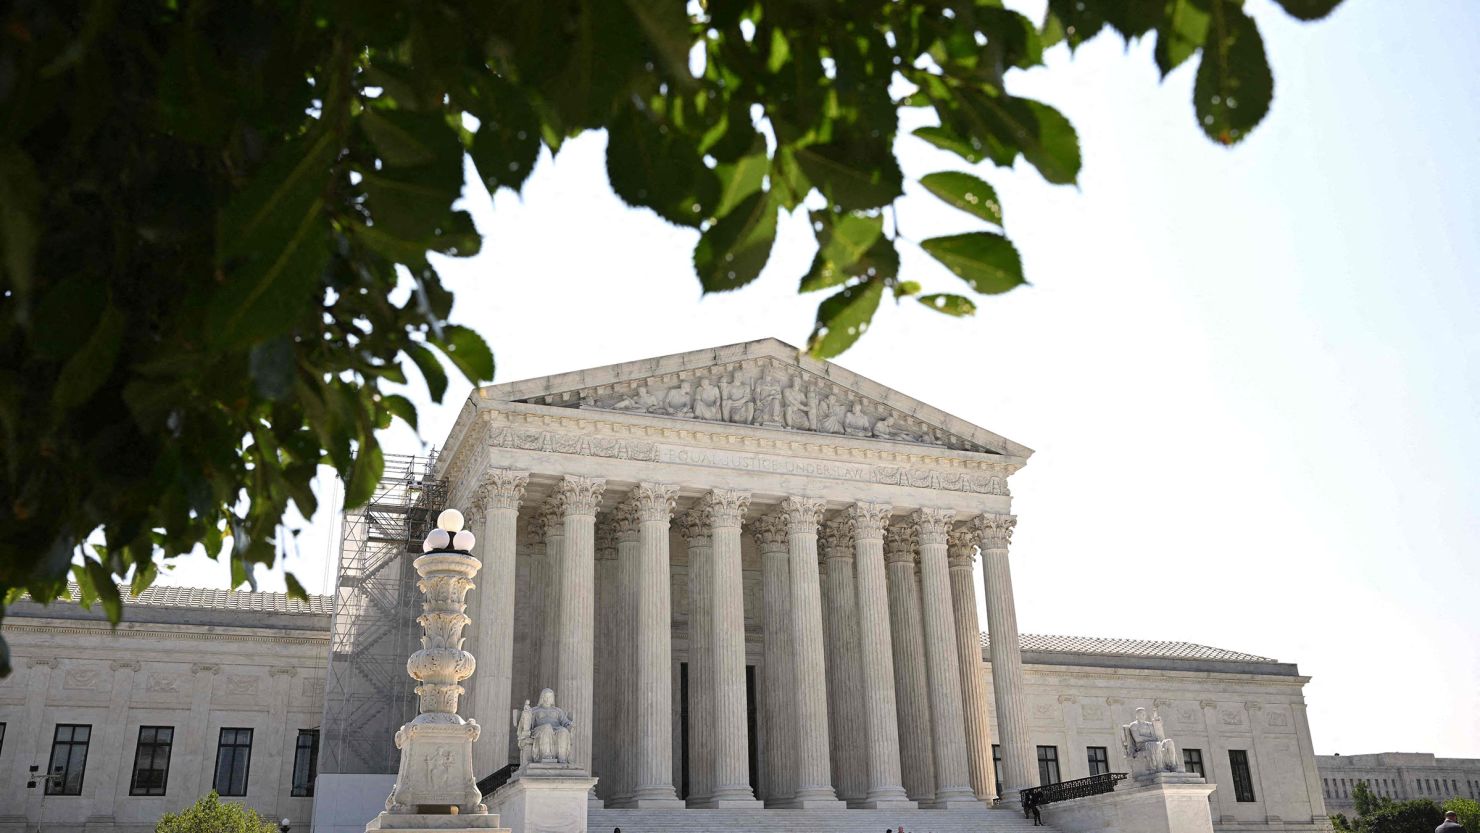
(436, 774)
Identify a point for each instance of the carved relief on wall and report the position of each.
(81, 678)
(162, 684)
(1046, 712)
(241, 684)
(1092, 713)
(1186, 715)
(312, 687)
(763, 393)
(1278, 720)
(1230, 717)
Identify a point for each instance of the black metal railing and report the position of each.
(1035, 797)
(487, 786)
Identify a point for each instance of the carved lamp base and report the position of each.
(436, 775)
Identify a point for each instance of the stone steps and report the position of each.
(970, 820)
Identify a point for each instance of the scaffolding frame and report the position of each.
(368, 695)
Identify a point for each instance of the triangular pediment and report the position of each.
(764, 384)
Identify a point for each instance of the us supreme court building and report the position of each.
(752, 579)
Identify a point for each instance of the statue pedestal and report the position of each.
(436, 823)
(545, 798)
(1162, 802)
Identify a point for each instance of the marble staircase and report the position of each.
(971, 820)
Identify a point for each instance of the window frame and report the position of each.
(1198, 766)
(223, 746)
(134, 789)
(1243, 776)
(1044, 762)
(71, 745)
(306, 791)
(1098, 765)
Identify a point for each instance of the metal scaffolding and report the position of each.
(368, 695)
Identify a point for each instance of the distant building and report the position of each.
(1397, 775)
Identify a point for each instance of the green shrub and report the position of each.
(1468, 812)
(209, 815)
(1417, 816)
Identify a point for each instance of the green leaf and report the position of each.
(1181, 34)
(430, 368)
(667, 29)
(272, 366)
(20, 204)
(1011, 36)
(985, 260)
(93, 362)
(468, 352)
(1042, 134)
(1234, 85)
(740, 179)
(732, 252)
(295, 588)
(1308, 9)
(843, 318)
(406, 139)
(369, 465)
(507, 144)
(652, 165)
(853, 176)
(957, 305)
(946, 139)
(102, 582)
(842, 241)
(966, 192)
(400, 406)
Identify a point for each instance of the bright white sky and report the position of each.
(1252, 377)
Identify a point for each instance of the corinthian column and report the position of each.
(552, 519)
(695, 527)
(952, 775)
(625, 523)
(654, 648)
(909, 664)
(497, 501)
(777, 669)
(1019, 768)
(844, 680)
(578, 496)
(962, 550)
(876, 661)
(814, 770)
(603, 735)
(731, 782)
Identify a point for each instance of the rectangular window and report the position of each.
(1048, 765)
(68, 759)
(1099, 760)
(152, 760)
(1192, 761)
(233, 759)
(1243, 781)
(997, 765)
(305, 763)
(2, 737)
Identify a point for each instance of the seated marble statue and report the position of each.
(1146, 746)
(543, 732)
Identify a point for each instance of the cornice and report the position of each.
(155, 631)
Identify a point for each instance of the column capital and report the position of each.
(626, 520)
(932, 525)
(580, 495)
(655, 501)
(837, 539)
(961, 547)
(500, 489)
(551, 517)
(770, 534)
(899, 543)
(696, 526)
(726, 508)
(606, 538)
(534, 528)
(995, 530)
(802, 514)
(868, 520)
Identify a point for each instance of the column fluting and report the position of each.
(777, 669)
(814, 770)
(695, 527)
(604, 738)
(908, 644)
(497, 499)
(876, 659)
(552, 516)
(844, 677)
(654, 650)
(578, 497)
(730, 736)
(942, 665)
(962, 550)
(626, 524)
(1019, 766)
